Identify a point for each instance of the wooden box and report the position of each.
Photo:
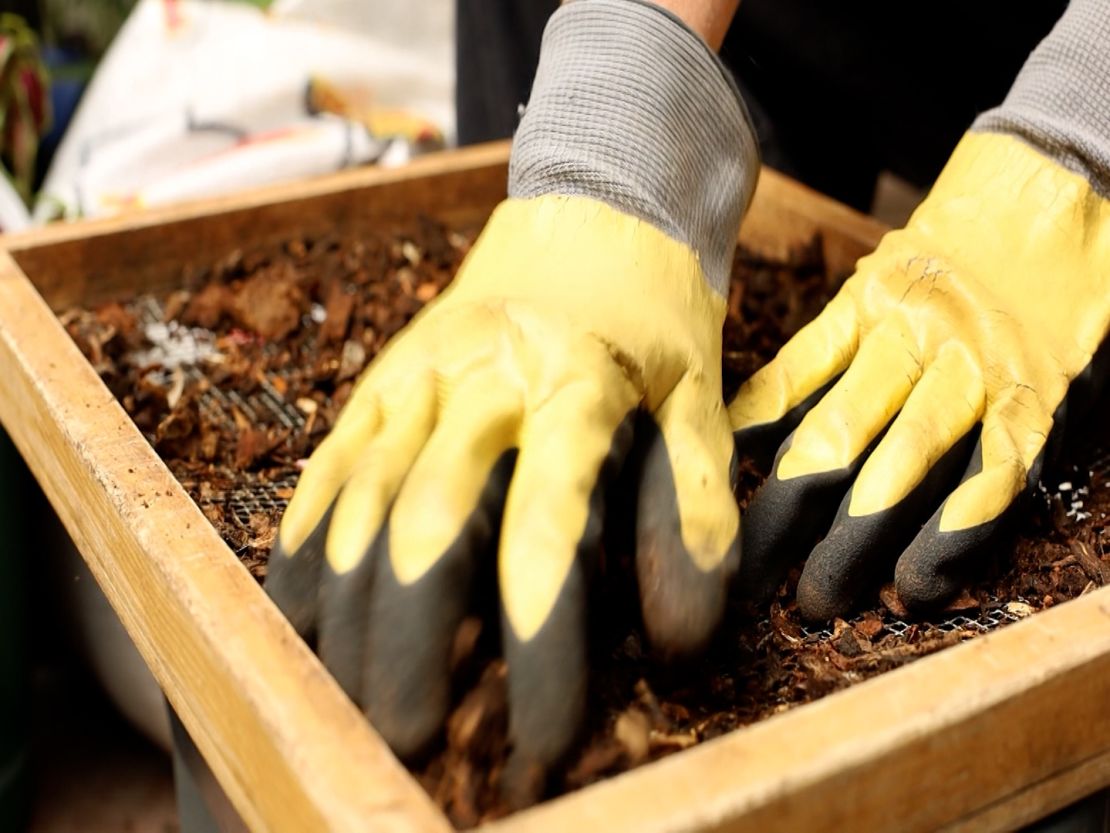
(983, 736)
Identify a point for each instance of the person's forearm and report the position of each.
(709, 18)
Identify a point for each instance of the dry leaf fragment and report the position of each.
(177, 387)
(870, 625)
(964, 601)
(351, 361)
(269, 303)
(338, 306)
(889, 597)
(632, 731)
(678, 740)
(1019, 609)
(411, 253)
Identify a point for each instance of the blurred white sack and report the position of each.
(200, 97)
(13, 213)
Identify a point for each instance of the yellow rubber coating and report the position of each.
(943, 406)
(380, 468)
(820, 351)
(480, 423)
(999, 289)
(565, 317)
(859, 406)
(328, 469)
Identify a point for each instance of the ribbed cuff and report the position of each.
(632, 108)
(1060, 102)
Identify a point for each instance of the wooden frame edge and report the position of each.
(259, 705)
(490, 154)
(918, 748)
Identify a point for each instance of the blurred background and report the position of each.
(109, 105)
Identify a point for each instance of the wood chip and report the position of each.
(632, 732)
(889, 597)
(1096, 569)
(964, 601)
(352, 360)
(269, 304)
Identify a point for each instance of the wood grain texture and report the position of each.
(983, 736)
(984, 733)
(1038, 799)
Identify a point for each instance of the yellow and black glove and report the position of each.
(930, 383)
(595, 292)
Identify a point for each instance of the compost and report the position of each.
(235, 377)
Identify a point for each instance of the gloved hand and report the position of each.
(931, 381)
(595, 290)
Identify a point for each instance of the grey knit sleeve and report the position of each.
(1060, 102)
(632, 108)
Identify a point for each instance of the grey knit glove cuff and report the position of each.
(1060, 102)
(632, 108)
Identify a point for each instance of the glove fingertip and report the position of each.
(783, 520)
(523, 781)
(682, 600)
(937, 565)
(547, 689)
(293, 578)
(765, 561)
(342, 621)
(412, 627)
(406, 680)
(681, 604)
(821, 597)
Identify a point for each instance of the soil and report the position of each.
(237, 376)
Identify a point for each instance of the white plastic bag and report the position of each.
(199, 98)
